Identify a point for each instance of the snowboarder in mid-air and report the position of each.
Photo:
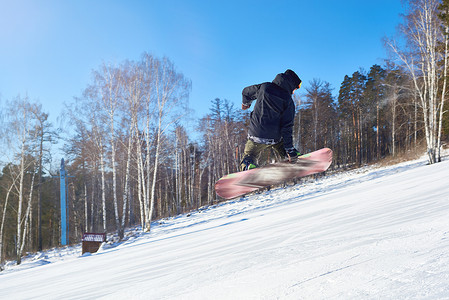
(272, 119)
(270, 128)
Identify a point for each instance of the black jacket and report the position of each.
(274, 112)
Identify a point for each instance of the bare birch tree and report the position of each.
(5, 206)
(132, 103)
(108, 83)
(422, 31)
(171, 92)
(21, 124)
(444, 16)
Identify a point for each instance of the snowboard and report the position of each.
(237, 184)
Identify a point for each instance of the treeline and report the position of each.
(375, 115)
(133, 160)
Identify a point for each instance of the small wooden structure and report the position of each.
(92, 241)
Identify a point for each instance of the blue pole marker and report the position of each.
(62, 176)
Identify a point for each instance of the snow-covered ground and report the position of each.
(367, 234)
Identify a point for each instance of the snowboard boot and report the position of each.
(247, 163)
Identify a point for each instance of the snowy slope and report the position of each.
(369, 234)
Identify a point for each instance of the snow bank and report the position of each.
(371, 234)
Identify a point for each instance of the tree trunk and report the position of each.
(103, 188)
(2, 225)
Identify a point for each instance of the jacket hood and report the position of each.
(287, 80)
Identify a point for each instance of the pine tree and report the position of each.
(374, 94)
(350, 101)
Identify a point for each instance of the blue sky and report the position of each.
(49, 48)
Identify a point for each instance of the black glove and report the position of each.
(245, 106)
(292, 154)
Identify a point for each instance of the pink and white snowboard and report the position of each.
(240, 183)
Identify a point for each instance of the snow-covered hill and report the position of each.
(369, 234)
